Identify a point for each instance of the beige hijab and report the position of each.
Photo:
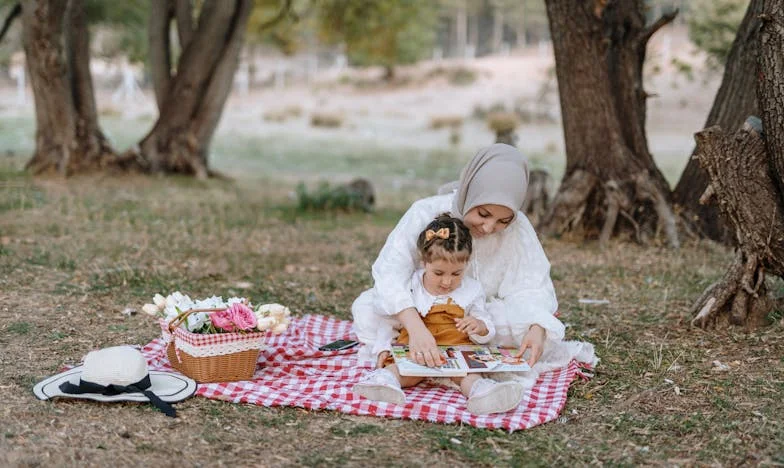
(497, 175)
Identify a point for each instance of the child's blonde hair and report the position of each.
(445, 238)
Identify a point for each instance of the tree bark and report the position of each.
(771, 85)
(193, 101)
(160, 49)
(745, 175)
(68, 137)
(599, 52)
(735, 100)
(738, 168)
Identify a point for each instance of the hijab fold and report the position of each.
(497, 175)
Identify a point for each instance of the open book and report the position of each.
(460, 360)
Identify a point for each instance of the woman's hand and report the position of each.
(421, 345)
(533, 340)
(471, 326)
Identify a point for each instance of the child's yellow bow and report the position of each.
(442, 233)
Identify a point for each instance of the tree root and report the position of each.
(735, 296)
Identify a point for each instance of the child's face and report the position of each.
(483, 220)
(442, 277)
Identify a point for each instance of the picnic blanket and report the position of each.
(293, 372)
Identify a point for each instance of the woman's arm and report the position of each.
(398, 258)
(527, 293)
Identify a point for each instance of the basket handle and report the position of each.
(177, 321)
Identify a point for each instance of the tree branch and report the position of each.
(658, 24)
(15, 11)
(184, 14)
(282, 13)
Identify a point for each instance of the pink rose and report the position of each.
(237, 317)
(242, 316)
(221, 319)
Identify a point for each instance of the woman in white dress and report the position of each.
(508, 261)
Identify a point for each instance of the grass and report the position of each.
(75, 255)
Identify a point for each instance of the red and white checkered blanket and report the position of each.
(293, 372)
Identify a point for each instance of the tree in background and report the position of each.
(746, 171)
(191, 95)
(68, 138)
(735, 100)
(611, 183)
(379, 32)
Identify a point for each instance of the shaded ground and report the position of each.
(72, 257)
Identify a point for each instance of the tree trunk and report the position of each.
(735, 100)
(498, 29)
(745, 175)
(191, 105)
(599, 52)
(748, 197)
(68, 138)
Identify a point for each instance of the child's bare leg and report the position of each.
(466, 383)
(405, 380)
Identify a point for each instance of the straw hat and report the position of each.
(118, 374)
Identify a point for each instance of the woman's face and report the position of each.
(483, 220)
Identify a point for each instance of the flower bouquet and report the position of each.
(211, 340)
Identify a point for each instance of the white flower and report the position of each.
(150, 309)
(196, 321)
(274, 310)
(265, 323)
(160, 301)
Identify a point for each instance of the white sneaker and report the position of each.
(380, 385)
(488, 396)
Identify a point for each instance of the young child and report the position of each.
(453, 309)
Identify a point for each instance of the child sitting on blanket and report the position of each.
(453, 309)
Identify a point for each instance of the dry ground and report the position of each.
(72, 257)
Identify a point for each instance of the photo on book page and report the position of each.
(492, 359)
(452, 364)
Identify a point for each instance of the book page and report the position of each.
(452, 363)
(492, 359)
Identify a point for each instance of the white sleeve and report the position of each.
(397, 260)
(526, 290)
(478, 310)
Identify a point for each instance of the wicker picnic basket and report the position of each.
(215, 357)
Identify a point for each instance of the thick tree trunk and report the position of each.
(191, 104)
(611, 184)
(748, 197)
(745, 174)
(735, 100)
(68, 138)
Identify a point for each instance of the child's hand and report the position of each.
(382, 356)
(533, 339)
(471, 326)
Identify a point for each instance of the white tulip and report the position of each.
(159, 301)
(150, 309)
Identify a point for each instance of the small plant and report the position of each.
(445, 121)
(327, 120)
(326, 197)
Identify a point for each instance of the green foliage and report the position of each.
(289, 33)
(327, 198)
(379, 32)
(713, 25)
